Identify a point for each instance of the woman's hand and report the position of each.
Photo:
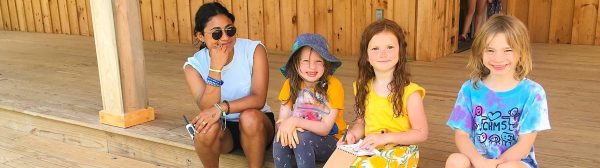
(219, 56)
(206, 119)
(374, 140)
(287, 132)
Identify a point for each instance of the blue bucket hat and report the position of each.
(316, 42)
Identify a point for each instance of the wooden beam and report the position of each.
(131, 54)
(108, 60)
(121, 69)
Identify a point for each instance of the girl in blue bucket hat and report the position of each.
(312, 104)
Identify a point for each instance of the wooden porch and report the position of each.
(49, 89)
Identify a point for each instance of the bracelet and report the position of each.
(214, 82)
(223, 116)
(218, 106)
(214, 70)
(228, 107)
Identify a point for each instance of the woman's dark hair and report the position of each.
(204, 14)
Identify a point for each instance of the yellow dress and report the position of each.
(380, 117)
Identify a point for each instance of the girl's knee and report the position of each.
(457, 160)
(304, 135)
(512, 164)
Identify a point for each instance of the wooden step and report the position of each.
(54, 142)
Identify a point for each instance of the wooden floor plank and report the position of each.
(56, 75)
(33, 151)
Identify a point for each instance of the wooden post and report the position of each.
(121, 69)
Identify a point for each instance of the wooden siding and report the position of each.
(559, 21)
(277, 22)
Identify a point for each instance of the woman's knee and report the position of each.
(209, 138)
(252, 121)
(457, 160)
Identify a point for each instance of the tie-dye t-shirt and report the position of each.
(495, 120)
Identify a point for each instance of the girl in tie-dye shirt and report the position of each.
(499, 111)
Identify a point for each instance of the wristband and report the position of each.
(214, 70)
(214, 82)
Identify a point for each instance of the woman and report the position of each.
(228, 78)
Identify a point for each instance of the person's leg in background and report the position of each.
(468, 19)
(481, 7)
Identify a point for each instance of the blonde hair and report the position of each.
(517, 38)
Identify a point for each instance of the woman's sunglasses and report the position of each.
(218, 33)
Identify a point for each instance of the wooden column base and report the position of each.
(129, 119)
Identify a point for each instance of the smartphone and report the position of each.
(189, 127)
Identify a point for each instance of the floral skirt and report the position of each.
(399, 156)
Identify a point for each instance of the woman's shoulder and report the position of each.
(247, 44)
(248, 47)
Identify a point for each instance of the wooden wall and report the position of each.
(274, 22)
(277, 22)
(47, 16)
(559, 21)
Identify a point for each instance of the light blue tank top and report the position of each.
(237, 75)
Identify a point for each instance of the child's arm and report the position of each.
(418, 121)
(356, 132)
(287, 134)
(285, 111)
(521, 149)
(466, 147)
(320, 128)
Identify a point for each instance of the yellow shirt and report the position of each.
(335, 98)
(379, 115)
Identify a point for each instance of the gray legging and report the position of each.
(312, 148)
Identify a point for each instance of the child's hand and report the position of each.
(350, 139)
(287, 134)
(374, 140)
(485, 163)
